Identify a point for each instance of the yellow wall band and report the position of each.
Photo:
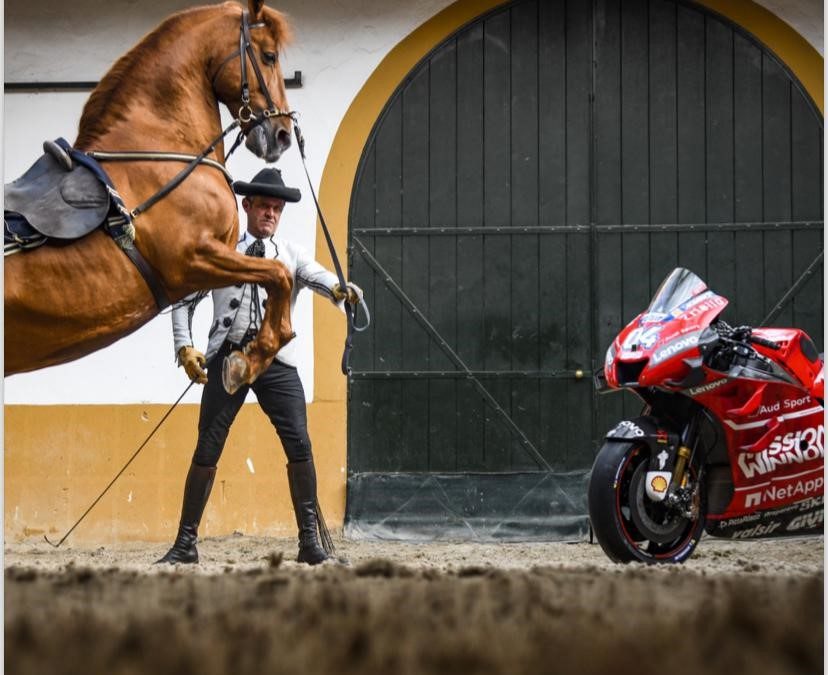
(58, 459)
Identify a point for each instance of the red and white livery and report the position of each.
(731, 439)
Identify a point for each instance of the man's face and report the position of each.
(263, 214)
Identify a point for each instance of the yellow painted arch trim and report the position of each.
(792, 49)
(346, 151)
(351, 137)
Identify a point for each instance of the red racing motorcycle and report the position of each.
(731, 437)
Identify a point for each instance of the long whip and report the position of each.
(118, 475)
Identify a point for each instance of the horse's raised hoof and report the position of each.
(234, 372)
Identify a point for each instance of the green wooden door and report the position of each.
(522, 195)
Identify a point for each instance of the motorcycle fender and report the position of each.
(661, 440)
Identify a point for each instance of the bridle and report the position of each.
(120, 224)
(244, 116)
(245, 113)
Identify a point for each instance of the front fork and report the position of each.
(680, 493)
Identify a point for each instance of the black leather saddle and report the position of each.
(56, 198)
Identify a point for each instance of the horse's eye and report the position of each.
(269, 58)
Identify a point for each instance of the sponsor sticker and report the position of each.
(657, 484)
(778, 406)
(801, 488)
(759, 530)
(794, 447)
(628, 428)
(699, 305)
(675, 347)
(654, 317)
(710, 386)
(806, 521)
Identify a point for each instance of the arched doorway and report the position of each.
(523, 192)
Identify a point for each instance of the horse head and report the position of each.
(249, 81)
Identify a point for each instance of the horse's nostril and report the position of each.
(283, 138)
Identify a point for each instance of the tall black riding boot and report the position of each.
(196, 492)
(302, 480)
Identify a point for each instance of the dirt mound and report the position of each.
(381, 615)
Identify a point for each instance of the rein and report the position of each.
(194, 160)
(350, 311)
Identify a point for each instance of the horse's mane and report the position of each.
(111, 98)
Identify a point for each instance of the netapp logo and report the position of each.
(801, 488)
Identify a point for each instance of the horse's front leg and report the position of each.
(241, 368)
(214, 266)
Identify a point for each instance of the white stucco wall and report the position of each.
(338, 44)
(806, 17)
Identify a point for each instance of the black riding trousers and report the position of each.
(281, 396)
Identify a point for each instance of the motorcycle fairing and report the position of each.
(777, 447)
(658, 345)
(805, 517)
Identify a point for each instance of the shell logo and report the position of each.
(659, 484)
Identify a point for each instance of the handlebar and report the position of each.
(733, 344)
(745, 334)
(770, 344)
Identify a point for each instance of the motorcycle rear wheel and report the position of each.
(627, 524)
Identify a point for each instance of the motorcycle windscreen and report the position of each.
(680, 286)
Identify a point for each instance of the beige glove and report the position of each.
(354, 293)
(193, 362)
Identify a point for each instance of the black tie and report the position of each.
(256, 249)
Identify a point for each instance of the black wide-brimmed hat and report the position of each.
(267, 183)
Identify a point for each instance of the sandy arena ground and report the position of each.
(453, 609)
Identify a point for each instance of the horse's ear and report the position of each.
(255, 8)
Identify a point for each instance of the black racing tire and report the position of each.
(619, 510)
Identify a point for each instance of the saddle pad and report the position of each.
(58, 203)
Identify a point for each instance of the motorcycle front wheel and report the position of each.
(628, 525)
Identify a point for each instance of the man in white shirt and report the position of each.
(237, 315)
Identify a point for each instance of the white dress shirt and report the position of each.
(234, 310)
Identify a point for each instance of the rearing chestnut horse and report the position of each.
(65, 301)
